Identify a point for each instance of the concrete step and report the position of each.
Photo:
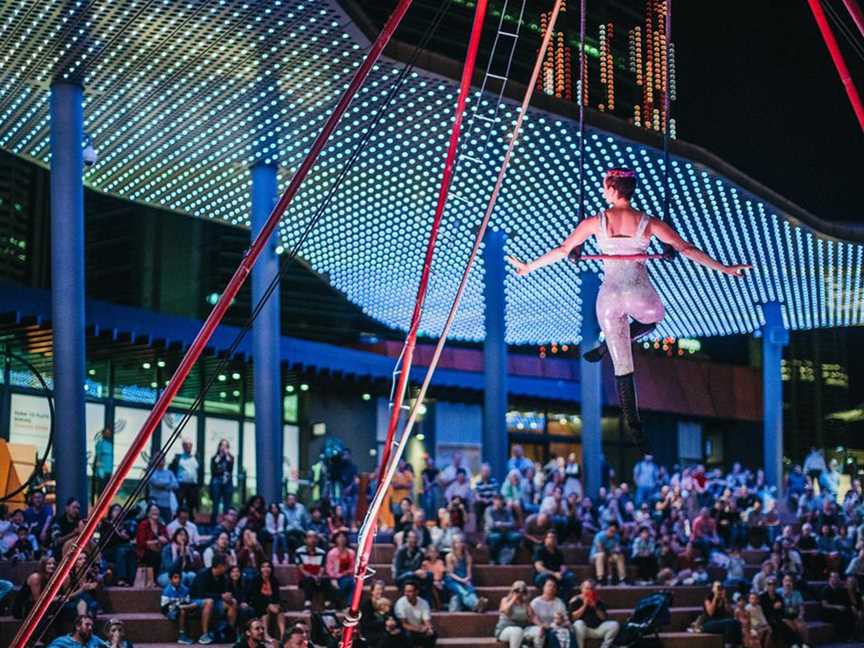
(573, 554)
(668, 639)
(484, 575)
(617, 597)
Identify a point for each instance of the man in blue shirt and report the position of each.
(606, 550)
(518, 461)
(81, 635)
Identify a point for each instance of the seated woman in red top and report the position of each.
(150, 538)
(340, 568)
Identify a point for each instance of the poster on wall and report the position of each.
(217, 429)
(30, 418)
(29, 421)
(128, 421)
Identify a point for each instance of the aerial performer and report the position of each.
(627, 293)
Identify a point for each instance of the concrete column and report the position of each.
(591, 387)
(67, 290)
(267, 377)
(495, 446)
(774, 337)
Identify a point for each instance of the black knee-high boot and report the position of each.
(627, 400)
(637, 330)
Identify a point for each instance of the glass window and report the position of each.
(526, 422)
(564, 449)
(128, 421)
(290, 407)
(95, 416)
(564, 424)
(249, 454)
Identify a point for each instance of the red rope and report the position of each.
(367, 533)
(141, 441)
(837, 57)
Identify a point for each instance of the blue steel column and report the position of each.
(67, 289)
(495, 446)
(591, 387)
(267, 376)
(774, 337)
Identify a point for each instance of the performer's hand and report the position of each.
(521, 268)
(736, 270)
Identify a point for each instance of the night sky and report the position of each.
(757, 87)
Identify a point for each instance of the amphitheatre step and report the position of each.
(668, 640)
(484, 575)
(623, 597)
(573, 554)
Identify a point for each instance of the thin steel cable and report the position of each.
(851, 38)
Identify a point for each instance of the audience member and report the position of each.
(187, 469)
(517, 621)
(549, 564)
(81, 636)
(221, 479)
(310, 560)
(415, 616)
(606, 551)
(590, 619)
(501, 534)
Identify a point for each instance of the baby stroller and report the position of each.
(643, 627)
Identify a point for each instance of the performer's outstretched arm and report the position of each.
(585, 229)
(668, 235)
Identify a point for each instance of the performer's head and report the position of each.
(619, 184)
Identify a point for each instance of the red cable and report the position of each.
(365, 550)
(855, 11)
(63, 570)
(839, 62)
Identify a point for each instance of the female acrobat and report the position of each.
(626, 292)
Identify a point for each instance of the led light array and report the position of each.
(188, 96)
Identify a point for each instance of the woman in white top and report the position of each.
(627, 291)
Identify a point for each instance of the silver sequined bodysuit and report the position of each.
(626, 292)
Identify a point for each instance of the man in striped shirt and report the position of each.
(484, 491)
(310, 559)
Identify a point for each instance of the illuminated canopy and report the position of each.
(182, 96)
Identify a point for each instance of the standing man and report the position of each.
(814, 466)
(518, 460)
(187, 469)
(590, 620)
(350, 481)
(645, 476)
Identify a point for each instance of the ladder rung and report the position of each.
(488, 119)
(471, 158)
(457, 196)
(506, 33)
(496, 76)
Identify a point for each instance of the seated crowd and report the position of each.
(687, 526)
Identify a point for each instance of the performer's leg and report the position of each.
(637, 330)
